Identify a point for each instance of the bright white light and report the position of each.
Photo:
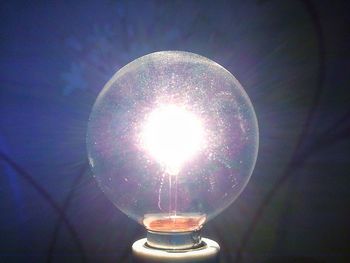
(172, 135)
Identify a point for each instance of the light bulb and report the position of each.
(172, 140)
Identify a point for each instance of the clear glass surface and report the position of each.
(172, 140)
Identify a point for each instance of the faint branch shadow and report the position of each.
(296, 160)
(48, 198)
(65, 207)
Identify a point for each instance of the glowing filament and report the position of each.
(172, 135)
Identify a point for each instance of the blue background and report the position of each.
(292, 57)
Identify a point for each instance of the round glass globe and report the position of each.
(172, 140)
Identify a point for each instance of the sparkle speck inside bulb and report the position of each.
(172, 135)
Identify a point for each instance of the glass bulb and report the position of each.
(172, 140)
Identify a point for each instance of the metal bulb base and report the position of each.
(207, 251)
(174, 240)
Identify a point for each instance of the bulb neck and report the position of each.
(174, 240)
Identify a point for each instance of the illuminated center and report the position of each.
(172, 135)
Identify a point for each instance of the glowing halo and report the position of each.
(172, 135)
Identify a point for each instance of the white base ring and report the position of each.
(206, 254)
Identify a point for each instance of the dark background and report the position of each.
(292, 57)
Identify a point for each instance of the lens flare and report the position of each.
(172, 135)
